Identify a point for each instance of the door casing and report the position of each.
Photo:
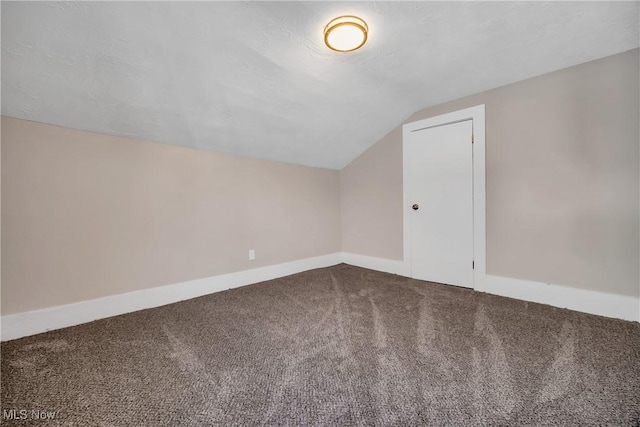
(477, 115)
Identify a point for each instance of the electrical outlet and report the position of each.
(252, 254)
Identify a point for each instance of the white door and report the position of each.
(440, 187)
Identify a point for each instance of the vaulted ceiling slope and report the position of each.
(255, 79)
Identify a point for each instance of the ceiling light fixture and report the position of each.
(345, 33)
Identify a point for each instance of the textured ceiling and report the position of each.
(254, 78)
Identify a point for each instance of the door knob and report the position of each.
(415, 207)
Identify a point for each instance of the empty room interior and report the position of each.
(320, 213)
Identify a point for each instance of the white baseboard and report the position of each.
(34, 322)
(592, 302)
(373, 263)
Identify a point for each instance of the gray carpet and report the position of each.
(333, 346)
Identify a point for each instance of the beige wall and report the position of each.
(562, 179)
(86, 215)
(370, 201)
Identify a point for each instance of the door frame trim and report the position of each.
(477, 115)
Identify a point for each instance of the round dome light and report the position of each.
(345, 33)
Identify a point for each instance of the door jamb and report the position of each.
(477, 115)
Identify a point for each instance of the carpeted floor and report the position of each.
(333, 346)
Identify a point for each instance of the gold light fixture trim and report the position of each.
(346, 33)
